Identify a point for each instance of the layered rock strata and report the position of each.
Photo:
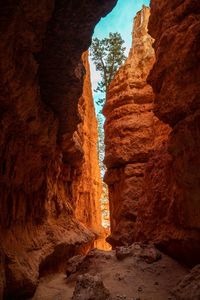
(131, 132)
(170, 208)
(167, 209)
(41, 82)
(41, 152)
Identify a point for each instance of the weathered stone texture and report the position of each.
(87, 187)
(41, 78)
(160, 203)
(131, 132)
(175, 26)
(170, 208)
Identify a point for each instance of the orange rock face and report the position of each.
(42, 152)
(170, 207)
(87, 187)
(41, 78)
(131, 132)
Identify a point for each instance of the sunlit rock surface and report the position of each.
(131, 132)
(41, 79)
(87, 187)
(87, 183)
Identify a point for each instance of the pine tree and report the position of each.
(107, 55)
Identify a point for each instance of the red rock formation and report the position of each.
(87, 187)
(41, 77)
(131, 132)
(168, 211)
(170, 208)
(87, 183)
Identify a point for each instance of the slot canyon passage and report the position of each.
(50, 185)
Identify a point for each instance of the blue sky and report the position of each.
(120, 19)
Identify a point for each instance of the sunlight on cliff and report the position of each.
(119, 20)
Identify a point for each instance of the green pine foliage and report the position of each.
(108, 56)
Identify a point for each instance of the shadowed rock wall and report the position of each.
(170, 208)
(41, 79)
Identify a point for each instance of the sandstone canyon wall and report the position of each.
(41, 151)
(87, 182)
(170, 207)
(154, 175)
(131, 132)
(87, 187)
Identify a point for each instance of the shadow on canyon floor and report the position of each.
(135, 272)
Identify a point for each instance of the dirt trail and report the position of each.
(133, 275)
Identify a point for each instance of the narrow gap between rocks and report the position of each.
(99, 205)
(132, 271)
(111, 43)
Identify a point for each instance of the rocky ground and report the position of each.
(137, 272)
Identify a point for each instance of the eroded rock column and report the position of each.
(87, 187)
(131, 132)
